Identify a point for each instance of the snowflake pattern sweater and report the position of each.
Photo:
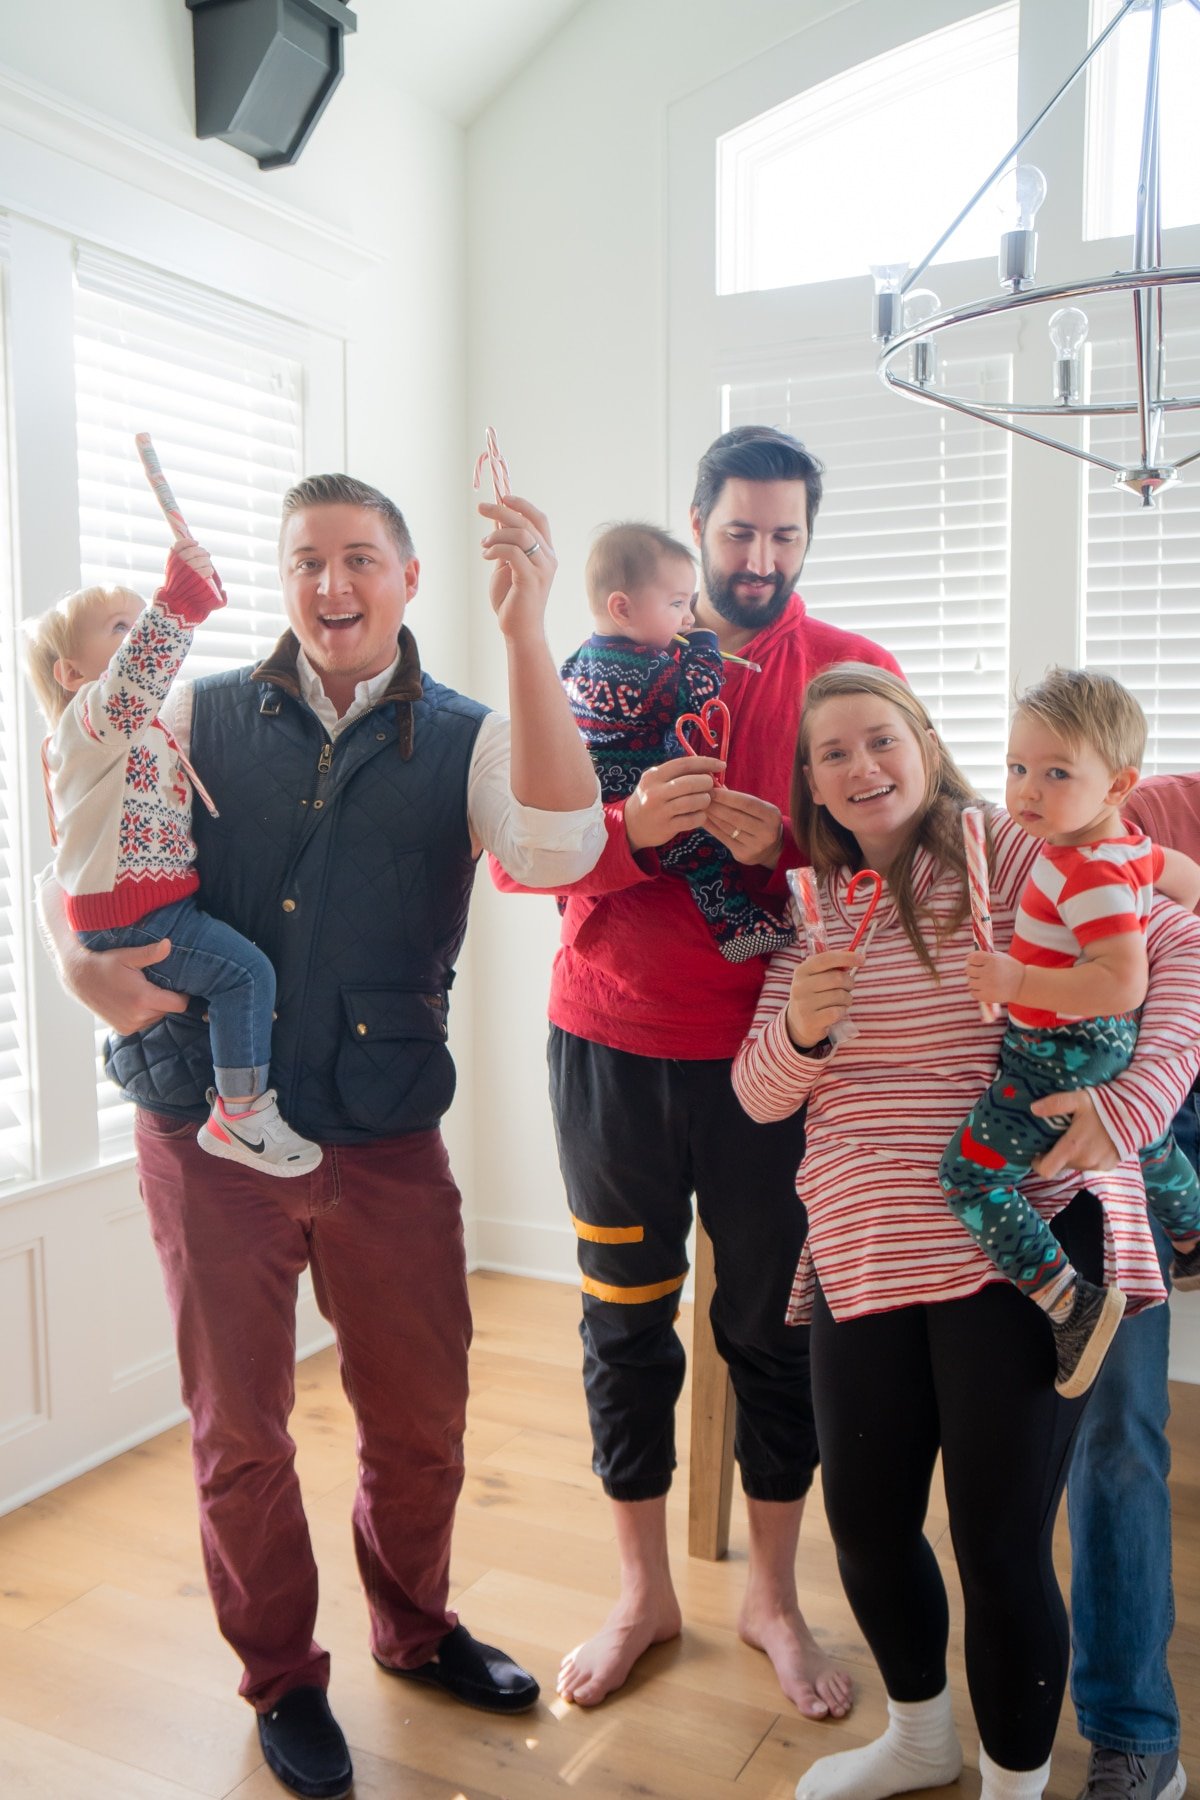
(120, 790)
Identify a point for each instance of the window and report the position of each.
(15, 1134)
(213, 384)
(1116, 90)
(1142, 570)
(873, 165)
(910, 546)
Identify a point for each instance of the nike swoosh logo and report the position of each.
(248, 1142)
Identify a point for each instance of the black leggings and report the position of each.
(975, 1379)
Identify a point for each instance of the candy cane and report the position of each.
(975, 842)
(167, 501)
(803, 883)
(160, 485)
(490, 454)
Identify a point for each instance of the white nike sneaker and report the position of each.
(257, 1138)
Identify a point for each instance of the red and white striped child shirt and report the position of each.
(883, 1106)
(1076, 895)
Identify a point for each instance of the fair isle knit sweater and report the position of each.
(120, 791)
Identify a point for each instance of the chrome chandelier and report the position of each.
(908, 319)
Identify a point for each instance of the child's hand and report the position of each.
(822, 989)
(993, 977)
(194, 555)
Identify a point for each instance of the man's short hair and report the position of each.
(627, 556)
(756, 453)
(344, 490)
(1085, 708)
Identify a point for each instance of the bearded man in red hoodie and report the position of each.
(646, 1016)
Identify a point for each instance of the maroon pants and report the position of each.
(381, 1226)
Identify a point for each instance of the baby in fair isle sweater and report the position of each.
(120, 796)
(1074, 977)
(628, 685)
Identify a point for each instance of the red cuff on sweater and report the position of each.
(188, 595)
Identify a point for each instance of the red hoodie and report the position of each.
(638, 969)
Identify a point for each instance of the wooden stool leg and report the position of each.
(710, 1486)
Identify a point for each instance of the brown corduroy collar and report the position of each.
(279, 669)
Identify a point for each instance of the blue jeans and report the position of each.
(219, 965)
(1122, 1601)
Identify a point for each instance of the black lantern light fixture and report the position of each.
(265, 70)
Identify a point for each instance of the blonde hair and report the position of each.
(627, 556)
(1084, 708)
(54, 636)
(938, 829)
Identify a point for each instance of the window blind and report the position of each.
(220, 389)
(15, 1137)
(1141, 621)
(911, 543)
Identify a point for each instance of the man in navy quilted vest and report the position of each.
(354, 797)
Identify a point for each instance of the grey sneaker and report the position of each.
(257, 1137)
(1119, 1775)
(1083, 1337)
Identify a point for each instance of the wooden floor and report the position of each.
(114, 1684)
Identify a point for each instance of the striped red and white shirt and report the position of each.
(1076, 895)
(883, 1106)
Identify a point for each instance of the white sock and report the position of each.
(919, 1749)
(1011, 1784)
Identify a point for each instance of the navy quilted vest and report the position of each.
(350, 865)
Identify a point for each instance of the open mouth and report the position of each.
(878, 793)
(338, 621)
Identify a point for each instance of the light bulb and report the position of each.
(921, 304)
(1019, 195)
(886, 320)
(1068, 328)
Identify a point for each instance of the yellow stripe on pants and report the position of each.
(631, 1296)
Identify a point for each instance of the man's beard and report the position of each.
(747, 613)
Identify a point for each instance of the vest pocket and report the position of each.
(393, 1070)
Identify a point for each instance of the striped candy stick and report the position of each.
(161, 488)
(160, 485)
(975, 843)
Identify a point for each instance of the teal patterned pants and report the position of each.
(994, 1148)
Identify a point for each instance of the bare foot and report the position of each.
(602, 1663)
(815, 1685)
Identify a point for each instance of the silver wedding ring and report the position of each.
(533, 548)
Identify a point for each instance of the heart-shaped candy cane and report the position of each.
(715, 740)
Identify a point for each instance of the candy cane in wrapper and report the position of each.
(160, 485)
(803, 883)
(975, 842)
(164, 496)
(490, 455)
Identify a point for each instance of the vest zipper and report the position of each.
(325, 760)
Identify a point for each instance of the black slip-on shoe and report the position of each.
(477, 1674)
(303, 1746)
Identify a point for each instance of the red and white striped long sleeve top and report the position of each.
(883, 1106)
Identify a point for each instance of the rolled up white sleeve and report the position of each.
(538, 849)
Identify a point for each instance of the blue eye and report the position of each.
(1057, 775)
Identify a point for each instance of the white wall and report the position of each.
(372, 220)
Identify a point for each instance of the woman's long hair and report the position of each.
(939, 827)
